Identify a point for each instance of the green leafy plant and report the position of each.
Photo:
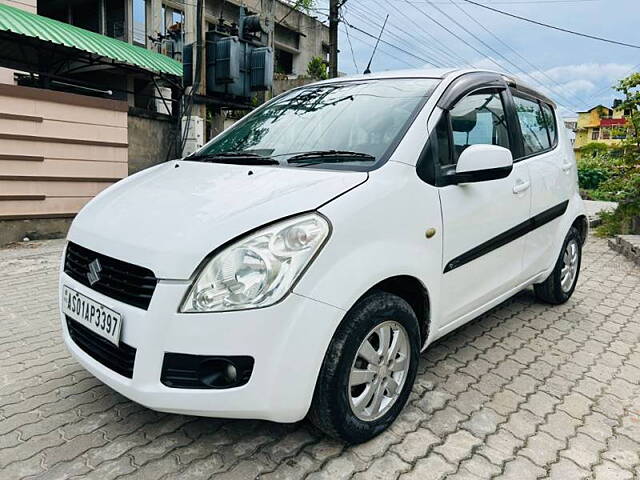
(593, 149)
(317, 69)
(624, 185)
(591, 178)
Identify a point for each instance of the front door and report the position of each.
(483, 247)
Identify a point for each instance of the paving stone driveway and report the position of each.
(526, 391)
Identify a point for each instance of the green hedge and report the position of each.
(591, 178)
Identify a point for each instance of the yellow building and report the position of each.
(600, 124)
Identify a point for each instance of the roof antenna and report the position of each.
(368, 69)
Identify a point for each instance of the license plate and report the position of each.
(93, 315)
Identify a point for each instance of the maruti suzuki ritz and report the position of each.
(300, 261)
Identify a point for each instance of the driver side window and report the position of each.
(479, 118)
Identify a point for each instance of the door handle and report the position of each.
(521, 186)
(566, 166)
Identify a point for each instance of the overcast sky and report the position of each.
(576, 72)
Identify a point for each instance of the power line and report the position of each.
(395, 57)
(560, 29)
(490, 48)
(486, 45)
(452, 33)
(612, 87)
(366, 18)
(385, 42)
(439, 51)
(525, 2)
(529, 63)
(353, 55)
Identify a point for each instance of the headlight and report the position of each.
(258, 270)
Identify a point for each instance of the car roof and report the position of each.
(440, 74)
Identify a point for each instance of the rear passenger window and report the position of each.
(533, 123)
(551, 123)
(479, 118)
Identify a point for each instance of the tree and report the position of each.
(593, 149)
(305, 5)
(626, 184)
(630, 88)
(317, 69)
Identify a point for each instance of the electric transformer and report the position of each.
(236, 65)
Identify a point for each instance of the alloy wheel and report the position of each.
(379, 371)
(570, 266)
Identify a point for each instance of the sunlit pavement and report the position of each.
(526, 391)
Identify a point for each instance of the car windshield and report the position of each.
(352, 125)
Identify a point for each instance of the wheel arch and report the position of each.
(582, 224)
(413, 291)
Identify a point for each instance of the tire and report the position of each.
(553, 290)
(334, 410)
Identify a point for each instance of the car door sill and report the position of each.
(487, 306)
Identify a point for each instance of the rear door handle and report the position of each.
(566, 166)
(521, 186)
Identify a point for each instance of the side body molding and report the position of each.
(510, 235)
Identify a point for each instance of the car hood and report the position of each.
(169, 217)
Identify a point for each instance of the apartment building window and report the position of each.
(84, 16)
(595, 134)
(139, 22)
(606, 134)
(173, 20)
(283, 62)
(115, 23)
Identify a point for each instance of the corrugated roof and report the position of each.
(36, 26)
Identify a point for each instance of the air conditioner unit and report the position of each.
(194, 128)
(163, 100)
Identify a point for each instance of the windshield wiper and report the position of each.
(331, 156)
(241, 158)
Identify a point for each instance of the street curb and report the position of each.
(627, 245)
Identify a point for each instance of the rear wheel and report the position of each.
(368, 370)
(560, 285)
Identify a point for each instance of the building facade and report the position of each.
(571, 125)
(166, 25)
(600, 124)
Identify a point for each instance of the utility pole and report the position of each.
(268, 11)
(334, 20)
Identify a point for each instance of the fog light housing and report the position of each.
(180, 370)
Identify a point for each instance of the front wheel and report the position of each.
(368, 370)
(560, 285)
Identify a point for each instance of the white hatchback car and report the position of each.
(300, 261)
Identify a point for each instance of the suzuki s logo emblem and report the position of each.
(94, 271)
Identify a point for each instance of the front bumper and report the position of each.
(287, 340)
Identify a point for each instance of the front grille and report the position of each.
(119, 280)
(120, 359)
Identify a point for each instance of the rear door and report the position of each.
(483, 249)
(552, 175)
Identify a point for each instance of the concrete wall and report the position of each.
(57, 151)
(28, 5)
(150, 139)
(33, 229)
(282, 85)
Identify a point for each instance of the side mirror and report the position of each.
(480, 163)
